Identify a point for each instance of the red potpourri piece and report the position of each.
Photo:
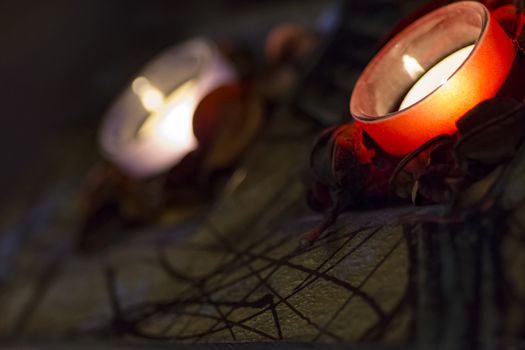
(349, 171)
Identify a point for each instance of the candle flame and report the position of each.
(151, 97)
(412, 67)
(171, 118)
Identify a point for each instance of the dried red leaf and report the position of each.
(321, 157)
(224, 123)
(350, 158)
(433, 185)
(485, 112)
(341, 163)
(347, 171)
(474, 193)
(489, 135)
(435, 152)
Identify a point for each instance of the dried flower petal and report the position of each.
(485, 112)
(490, 135)
(433, 184)
(413, 166)
(347, 172)
(225, 122)
(321, 157)
(350, 158)
(478, 190)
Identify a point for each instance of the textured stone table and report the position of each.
(391, 276)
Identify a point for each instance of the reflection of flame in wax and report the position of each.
(171, 118)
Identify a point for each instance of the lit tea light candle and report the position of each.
(150, 127)
(430, 74)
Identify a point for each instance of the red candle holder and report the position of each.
(407, 59)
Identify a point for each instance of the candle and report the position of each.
(149, 129)
(434, 78)
(430, 74)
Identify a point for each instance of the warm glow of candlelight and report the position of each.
(152, 98)
(434, 78)
(171, 120)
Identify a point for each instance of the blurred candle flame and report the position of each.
(152, 98)
(171, 118)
